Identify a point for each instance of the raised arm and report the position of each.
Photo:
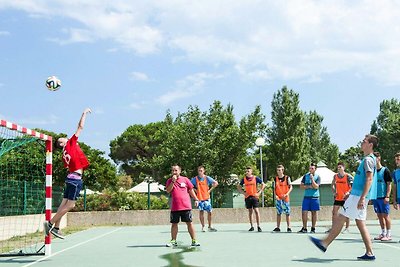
(81, 123)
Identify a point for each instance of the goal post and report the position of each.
(25, 190)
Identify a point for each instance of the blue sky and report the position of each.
(131, 61)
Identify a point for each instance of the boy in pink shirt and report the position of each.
(181, 189)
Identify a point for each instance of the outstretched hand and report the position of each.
(87, 110)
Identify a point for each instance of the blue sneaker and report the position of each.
(366, 257)
(317, 242)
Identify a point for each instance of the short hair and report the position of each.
(201, 166)
(176, 165)
(372, 139)
(249, 168)
(341, 164)
(57, 143)
(280, 166)
(397, 155)
(313, 164)
(377, 154)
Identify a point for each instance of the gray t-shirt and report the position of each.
(369, 164)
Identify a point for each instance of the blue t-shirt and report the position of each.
(210, 180)
(311, 192)
(258, 181)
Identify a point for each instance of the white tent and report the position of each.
(89, 192)
(143, 188)
(324, 173)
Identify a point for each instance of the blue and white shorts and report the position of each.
(205, 205)
(282, 207)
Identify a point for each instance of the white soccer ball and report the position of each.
(53, 83)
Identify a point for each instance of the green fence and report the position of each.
(25, 197)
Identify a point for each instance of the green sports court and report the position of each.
(232, 245)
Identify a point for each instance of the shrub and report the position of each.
(111, 200)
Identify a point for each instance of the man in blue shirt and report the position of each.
(381, 203)
(310, 183)
(355, 206)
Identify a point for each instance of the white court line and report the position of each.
(388, 245)
(74, 246)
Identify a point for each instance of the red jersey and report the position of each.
(73, 156)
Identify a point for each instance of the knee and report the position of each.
(70, 205)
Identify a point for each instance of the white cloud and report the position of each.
(98, 111)
(139, 76)
(138, 105)
(312, 79)
(187, 87)
(75, 36)
(294, 39)
(37, 122)
(135, 106)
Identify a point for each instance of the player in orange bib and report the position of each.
(341, 187)
(251, 195)
(283, 188)
(203, 186)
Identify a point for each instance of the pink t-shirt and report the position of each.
(180, 194)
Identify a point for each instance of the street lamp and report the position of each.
(260, 142)
(148, 180)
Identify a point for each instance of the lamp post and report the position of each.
(260, 142)
(149, 180)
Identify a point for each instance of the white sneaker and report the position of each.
(379, 237)
(172, 243)
(386, 238)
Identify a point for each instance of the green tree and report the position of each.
(351, 158)
(288, 139)
(321, 148)
(136, 150)
(387, 128)
(213, 139)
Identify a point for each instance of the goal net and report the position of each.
(25, 190)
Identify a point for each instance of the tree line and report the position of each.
(225, 145)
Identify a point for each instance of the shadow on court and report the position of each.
(318, 260)
(176, 259)
(147, 246)
(15, 260)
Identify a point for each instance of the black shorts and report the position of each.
(338, 203)
(251, 202)
(183, 215)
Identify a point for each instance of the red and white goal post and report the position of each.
(22, 222)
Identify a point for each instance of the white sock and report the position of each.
(384, 232)
(389, 232)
